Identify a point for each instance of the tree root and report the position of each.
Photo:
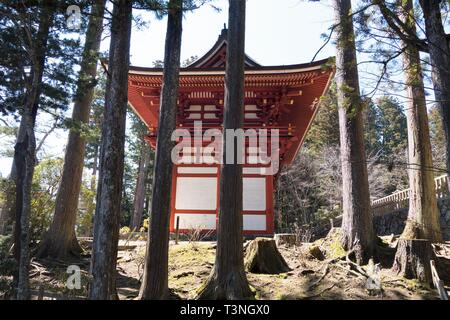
(324, 274)
(233, 287)
(355, 266)
(48, 249)
(321, 292)
(344, 267)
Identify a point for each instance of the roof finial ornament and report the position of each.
(223, 34)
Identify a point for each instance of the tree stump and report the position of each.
(316, 253)
(412, 259)
(289, 239)
(263, 257)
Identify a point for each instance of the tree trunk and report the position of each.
(24, 156)
(440, 62)
(412, 259)
(358, 234)
(109, 191)
(141, 184)
(228, 279)
(422, 201)
(155, 279)
(25, 153)
(263, 257)
(61, 241)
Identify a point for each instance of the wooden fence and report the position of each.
(400, 199)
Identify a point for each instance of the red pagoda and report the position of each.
(285, 98)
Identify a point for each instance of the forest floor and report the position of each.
(326, 276)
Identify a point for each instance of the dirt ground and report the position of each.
(191, 263)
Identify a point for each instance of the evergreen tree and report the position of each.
(61, 241)
(26, 52)
(109, 191)
(324, 130)
(155, 281)
(437, 138)
(357, 226)
(372, 128)
(393, 130)
(228, 279)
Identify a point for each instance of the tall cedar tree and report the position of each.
(358, 234)
(440, 62)
(19, 25)
(228, 279)
(60, 241)
(141, 184)
(155, 280)
(422, 201)
(109, 191)
(24, 150)
(436, 44)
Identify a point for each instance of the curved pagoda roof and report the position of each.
(287, 96)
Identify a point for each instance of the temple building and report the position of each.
(283, 98)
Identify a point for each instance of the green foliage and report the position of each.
(7, 263)
(46, 178)
(325, 128)
(95, 123)
(17, 23)
(125, 230)
(392, 128)
(189, 61)
(145, 225)
(3, 188)
(437, 137)
(309, 191)
(372, 128)
(135, 145)
(86, 209)
(8, 133)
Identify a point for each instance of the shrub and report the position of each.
(46, 179)
(7, 263)
(124, 230)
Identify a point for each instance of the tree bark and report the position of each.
(263, 257)
(24, 156)
(440, 62)
(141, 184)
(358, 234)
(25, 152)
(155, 279)
(61, 241)
(109, 191)
(228, 279)
(422, 201)
(412, 259)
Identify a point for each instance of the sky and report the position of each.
(278, 32)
